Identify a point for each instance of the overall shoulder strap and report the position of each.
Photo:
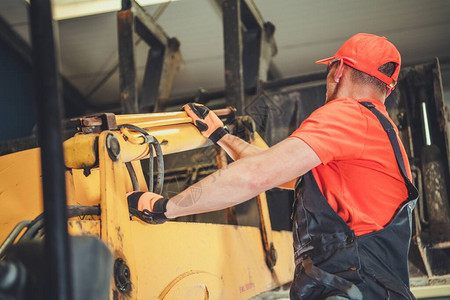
(389, 128)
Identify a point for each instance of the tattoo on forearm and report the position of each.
(189, 197)
(238, 146)
(242, 149)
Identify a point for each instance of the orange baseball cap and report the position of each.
(367, 53)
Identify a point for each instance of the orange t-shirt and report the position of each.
(359, 175)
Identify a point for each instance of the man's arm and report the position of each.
(237, 148)
(245, 178)
(209, 124)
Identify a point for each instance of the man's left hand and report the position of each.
(206, 121)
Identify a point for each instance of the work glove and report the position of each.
(147, 206)
(206, 121)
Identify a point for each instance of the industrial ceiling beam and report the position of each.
(204, 97)
(63, 9)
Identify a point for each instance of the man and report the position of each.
(352, 219)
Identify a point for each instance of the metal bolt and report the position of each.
(113, 146)
(122, 276)
(174, 44)
(271, 258)
(273, 253)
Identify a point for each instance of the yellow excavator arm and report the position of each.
(175, 260)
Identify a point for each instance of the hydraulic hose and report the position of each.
(12, 236)
(153, 143)
(35, 227)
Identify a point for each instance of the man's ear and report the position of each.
(339, 71)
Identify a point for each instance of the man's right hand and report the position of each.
(206, 121)
(147, 206)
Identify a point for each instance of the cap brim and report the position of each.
(325, 60)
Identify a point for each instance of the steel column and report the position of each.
(135, 25)
(49, 111)
(152, 76)
(259, 46)
(233, 49)
(127, 65)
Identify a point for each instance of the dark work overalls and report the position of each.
(333, 263)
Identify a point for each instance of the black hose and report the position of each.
(133, 177)
(35, 224)
(72, 211)
(160, 167)
(32, 230)
(12, 236)
(138, 129)
(152, 143)
(150, 169)
(39, 234)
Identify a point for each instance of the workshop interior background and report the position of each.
(286, 88)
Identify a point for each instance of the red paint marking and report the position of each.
(246, 287)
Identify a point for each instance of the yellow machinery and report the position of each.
(175, 260)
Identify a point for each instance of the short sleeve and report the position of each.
(336, 131)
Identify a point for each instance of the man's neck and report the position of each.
(360, 91)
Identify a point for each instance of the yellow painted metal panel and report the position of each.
(20, 189)
(154, 120)
(179, 260)
(81, 189)
(76, 226)
(115, 229)
(176, 259)
(80, 150)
